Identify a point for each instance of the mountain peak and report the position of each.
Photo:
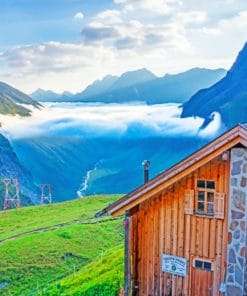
(133, 77)
(228, 96)
(142, 71)
(240, 65)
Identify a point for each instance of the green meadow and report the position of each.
(46, 248)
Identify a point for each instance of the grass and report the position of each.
(103, 277)
(33, 262)
(9, 106)
(14, 222)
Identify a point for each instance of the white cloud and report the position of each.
(109, 16)
(223, 41)
(238, 21)
(212, 31)
(54, 65)
(154, 6)
(98, 33)
(225, 26)
(50, 57)
(78, 16)
(191, 17)
(101, 120)
(112, 29)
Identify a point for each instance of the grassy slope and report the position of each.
(15, 222)
(104, 277)
(11, 98)
(36, 260)
(8, 106)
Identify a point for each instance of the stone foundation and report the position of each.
(236, 279)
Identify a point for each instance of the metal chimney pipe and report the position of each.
(146, 165)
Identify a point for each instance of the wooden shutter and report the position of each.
(219, 205)
(189, 202)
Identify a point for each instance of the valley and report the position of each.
(86, 148)
(92, 149)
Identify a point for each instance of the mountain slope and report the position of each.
(97, 87)
(133, 77)
(228, 96)
(99, 165)
(11, 98)
(42, 95)
(61, 162)
(112, 85)
(170, 88)
(11, 167)
(140, 85)
(93, 89)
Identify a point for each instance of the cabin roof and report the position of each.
(231, 138)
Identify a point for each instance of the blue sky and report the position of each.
(44, 20)
(67, 44)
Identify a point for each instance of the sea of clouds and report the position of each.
(107, 120)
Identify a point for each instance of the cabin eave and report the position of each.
(234, 137)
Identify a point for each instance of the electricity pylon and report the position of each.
(45, 193)
(11, 200)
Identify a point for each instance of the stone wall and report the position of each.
(236, 279)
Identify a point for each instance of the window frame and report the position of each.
(203, 261)
(205, 201)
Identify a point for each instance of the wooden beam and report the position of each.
(127, 275)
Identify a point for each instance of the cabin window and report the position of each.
(204, 265)
(205, 197)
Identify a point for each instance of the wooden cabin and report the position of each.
(186, 229)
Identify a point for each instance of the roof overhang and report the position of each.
(231, 138)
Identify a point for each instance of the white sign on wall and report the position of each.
(175, 265)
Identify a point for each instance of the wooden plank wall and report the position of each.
(160, 226)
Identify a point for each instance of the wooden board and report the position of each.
(163, 228)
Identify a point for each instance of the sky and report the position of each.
(67, 44)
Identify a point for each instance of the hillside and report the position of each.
(104, 277)
(12, 167)
(228, 96)
(11, 98)
(44, 244)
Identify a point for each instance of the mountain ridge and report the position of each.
(11, 100)
(228, 96)
(131, 78)
(148, 88)
(97, 87)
